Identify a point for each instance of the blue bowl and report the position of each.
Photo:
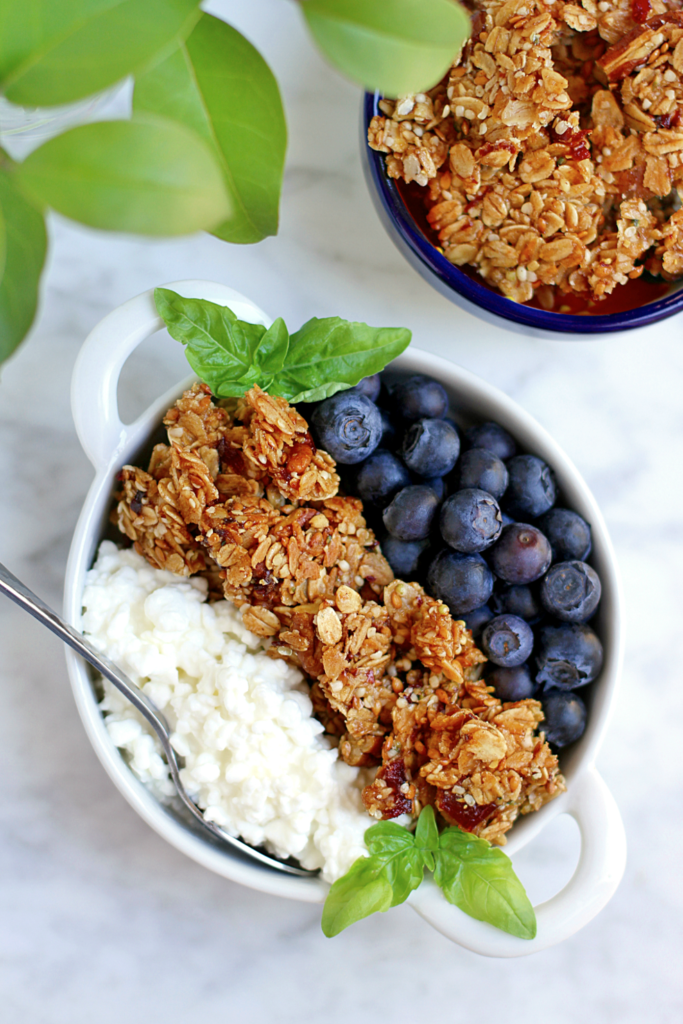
(468, 292)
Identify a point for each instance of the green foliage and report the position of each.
(218, 84)
(328, 355)
(206, 145)
(472, 874)
(321, 358)
(363, 890)
(149, 175)
(481, 881)
(25, 244)
(398, 47)
(58, 51)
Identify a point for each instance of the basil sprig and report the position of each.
(473, 875)
(321, 358)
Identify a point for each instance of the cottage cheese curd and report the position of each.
(256, 760)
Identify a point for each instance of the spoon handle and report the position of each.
(31, 603)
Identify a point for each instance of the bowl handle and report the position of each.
(598, 873)
(96, 374)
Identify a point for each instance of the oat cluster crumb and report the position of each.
(552, 153)
(241, 494)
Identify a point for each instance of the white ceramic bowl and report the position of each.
(110, 444)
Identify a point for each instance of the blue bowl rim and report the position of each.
(479, 294)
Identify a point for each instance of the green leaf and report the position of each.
(427, 836)
(400, 47)
(319, 360)
(273, 347)
(26, 245)
(326, 356)
(58, 51)
(393, 847)
(481, 881)
(221, 349)
(362, 891)
(217, 84)
(149, 176)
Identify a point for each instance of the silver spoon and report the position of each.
(26, 599)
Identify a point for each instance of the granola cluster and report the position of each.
(241, 494)
(552, 153)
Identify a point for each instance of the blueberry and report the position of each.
(494, 438)
(430, 447)
(470, 520)
(380, 476)
(464, 582)
(438, 485)
(516, 600)
(565, 718)
(477, 619)
(347, 426)
(567, 656)
(571, 591)
(481, 468)
(368, 386)
(568, 533)
(410, 513)
(531, 490)
(404, 556)
(507, 640)
(419, 396)
(512, 684)
(522, 554)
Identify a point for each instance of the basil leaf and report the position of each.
(480, 880)
(427, 836)
(273, 348)
(393, 847)
(153, 177)
(221, 349)
(362, 891)
(400, 47)
(26, 245)
(387, 837)
(328, 355)
(231, 356)
(57, 51)
(219, 85)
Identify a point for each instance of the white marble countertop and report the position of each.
(101, 919)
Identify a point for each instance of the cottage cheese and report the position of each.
(256, 760)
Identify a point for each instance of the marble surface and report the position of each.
(101, 920)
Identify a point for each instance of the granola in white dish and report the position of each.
(394, 679)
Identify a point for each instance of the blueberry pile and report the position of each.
(476, 522)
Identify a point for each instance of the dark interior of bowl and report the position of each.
(412, 234)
